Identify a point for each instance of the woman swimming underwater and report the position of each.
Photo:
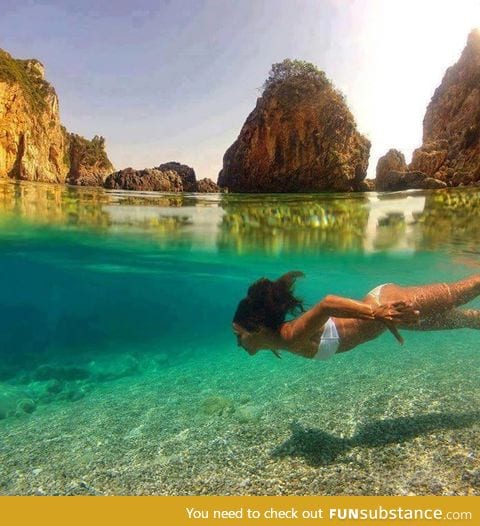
(337, 324)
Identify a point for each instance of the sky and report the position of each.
(175, 79)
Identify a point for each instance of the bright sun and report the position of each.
(406, 48)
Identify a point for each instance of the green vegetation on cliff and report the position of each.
(295, 69)
(291, 80)
(88, 153)
(35, 88)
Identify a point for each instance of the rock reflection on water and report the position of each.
(53, 204)
(451, 217)
(273, 224)
(276, 225)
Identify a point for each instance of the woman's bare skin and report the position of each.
(423, 308)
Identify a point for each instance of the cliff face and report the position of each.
(300, 137)
(89, 164)
(451, 127)
(33, 143)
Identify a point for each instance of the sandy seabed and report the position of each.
(370, 422)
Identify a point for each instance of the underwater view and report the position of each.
(120, 373)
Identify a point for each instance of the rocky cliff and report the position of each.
(451, 128)
(300, 137)
(168, 177)
(206, 185)
(393, 175)
(88, 161)
(186, 174)
(148, 180)
(33, 143)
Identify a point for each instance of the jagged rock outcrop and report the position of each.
(33, 143)
(186, 174)
(367, 185)
(392, 175)
(300, 137)
(395, 181)
(149, 180)
(392, 161)
(89, 164)
(451, 127)
(206, 185)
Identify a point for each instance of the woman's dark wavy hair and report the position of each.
(268, 303)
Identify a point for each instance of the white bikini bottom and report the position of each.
(329, 342)
(375, 293)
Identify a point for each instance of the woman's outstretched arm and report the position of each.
(389, 313)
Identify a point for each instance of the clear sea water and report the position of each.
(119, 373)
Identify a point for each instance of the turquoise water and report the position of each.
(119, 373)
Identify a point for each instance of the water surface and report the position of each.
(119, 373)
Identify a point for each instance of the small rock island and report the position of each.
(300, 137)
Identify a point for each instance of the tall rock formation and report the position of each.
(301, 137)
(33, 143)
(89, 164)
(451, 127)
(393, 160)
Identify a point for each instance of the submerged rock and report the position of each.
(61, 373)
(300, 137)
(54, 386)
(217, 405)
(149, 180)
(121, 367)
(15, 401)
(248, 413)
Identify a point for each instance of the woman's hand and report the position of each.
(396, 311)
(393, 313)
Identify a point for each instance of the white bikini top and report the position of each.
(329, 342)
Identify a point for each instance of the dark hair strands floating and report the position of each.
(269, 302)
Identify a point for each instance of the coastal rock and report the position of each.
(34, 145)
(300, 137)
(392, 161)
(186, 174)
(430, 183)
(451, 128)
(395, 181)
(367, 185)
(148, 180)
(207, 186)
(89, 164)
(393, 175)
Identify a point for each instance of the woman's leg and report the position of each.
(452, 319)
(436, 304)
(434, 299)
